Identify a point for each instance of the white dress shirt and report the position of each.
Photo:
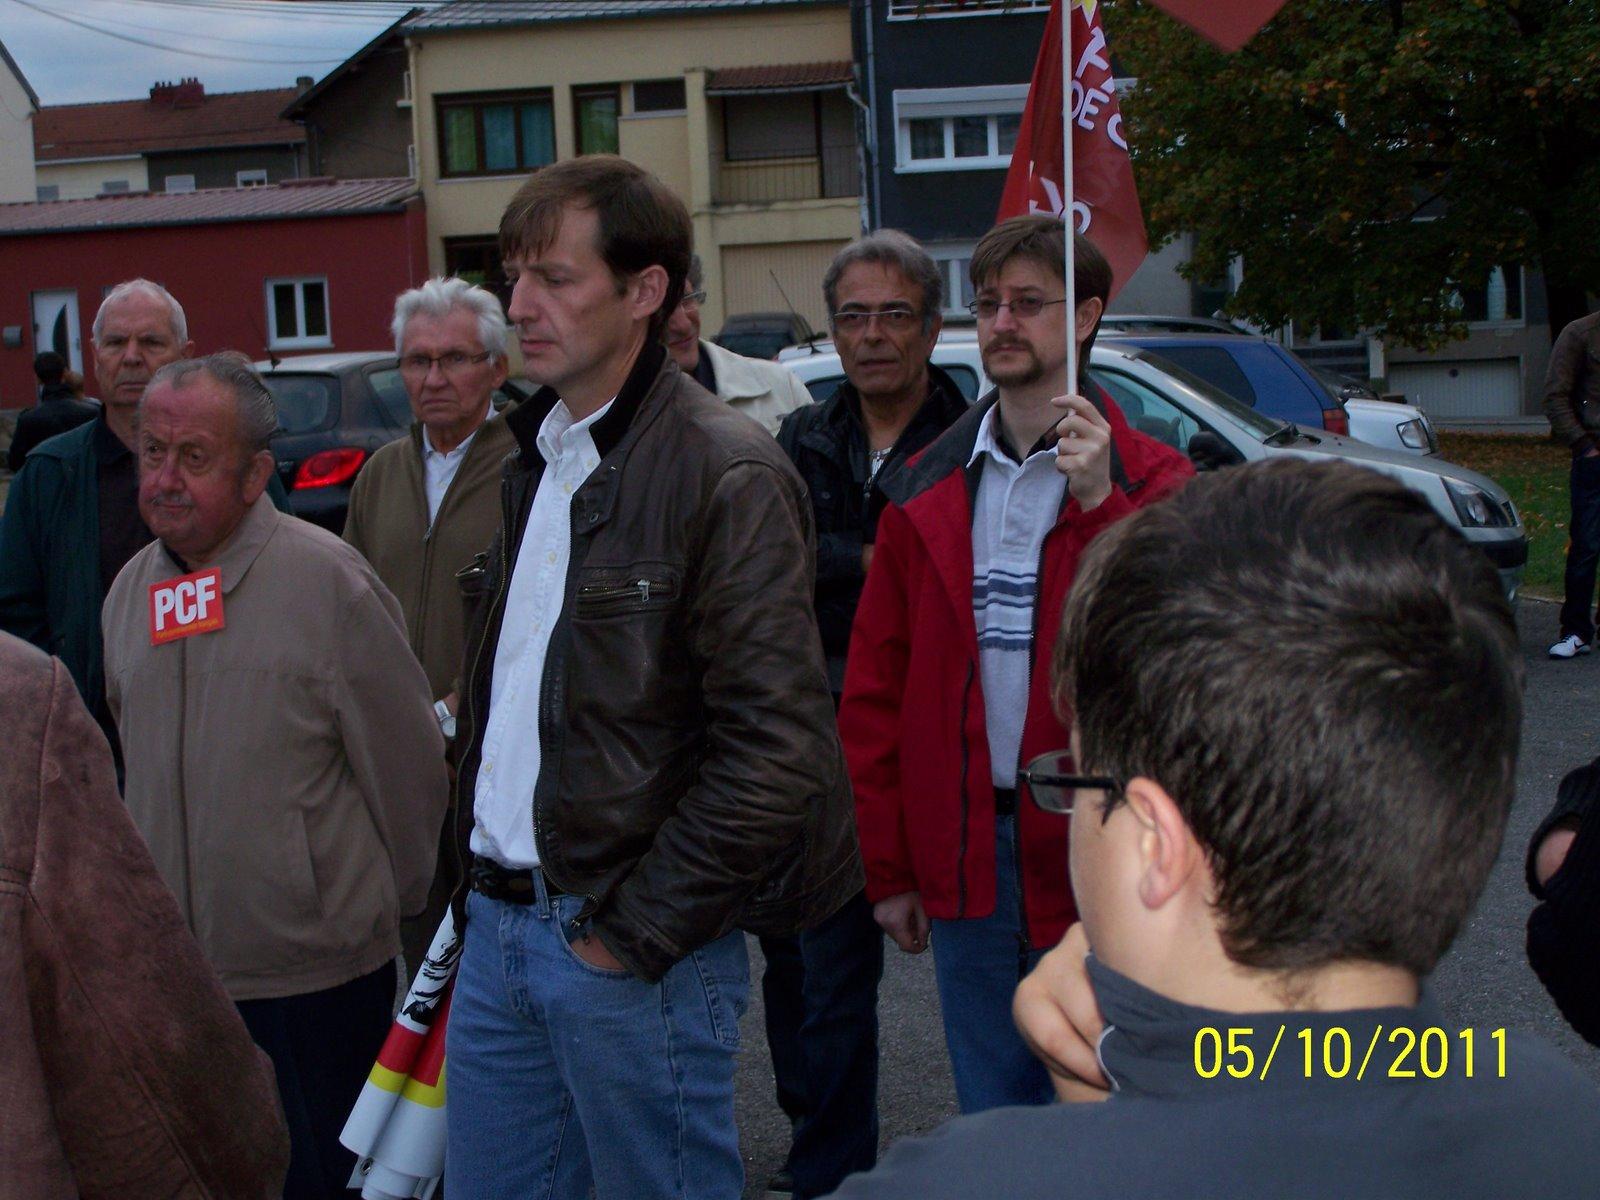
(1017, 505)
(439, 467)
(502, 814)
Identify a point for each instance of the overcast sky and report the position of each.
(230, 45)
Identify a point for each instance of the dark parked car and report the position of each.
(763, 334)
(334, 412)
(1254, 370)
(1141, 323)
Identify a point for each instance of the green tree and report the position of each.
(1360, 155)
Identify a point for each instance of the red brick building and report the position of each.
(310, 265)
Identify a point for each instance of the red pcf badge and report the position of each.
(185, 606)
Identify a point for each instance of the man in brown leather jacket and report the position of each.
(650, 760)
(124, 1069)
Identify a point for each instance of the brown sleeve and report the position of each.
(156, 1086)
(1561, 390)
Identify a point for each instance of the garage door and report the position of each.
(747, 273)
(1487, 388)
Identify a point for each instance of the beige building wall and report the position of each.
(757, 278)
(78, 180)
(681, 149)
(16, 140)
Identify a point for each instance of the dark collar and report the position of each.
(1148, 1047)
(108, 447)
(525, 419)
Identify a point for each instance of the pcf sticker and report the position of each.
(185, 606)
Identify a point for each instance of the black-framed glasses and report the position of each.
(855, 320)
(451, 363)
(693, 299)
(1054, 785)
(988, 308)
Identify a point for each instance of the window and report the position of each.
(1216, 366)
(297, 313)
(477, 260)
(771, 126)
(957, 129)
(111, 186)
(1151, 413)
(1497, 300)
(393, 398)
(594, 112)
(180, 183)
(657, 96)
(955, 260)
(47, 191)
(304, 402)
(500, 134)
(910, 10)
(256, 177)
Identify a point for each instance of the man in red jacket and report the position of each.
(946, 692)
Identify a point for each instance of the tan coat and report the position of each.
(124, 1070)
(286, 770)
(763, 391)
(388, 523)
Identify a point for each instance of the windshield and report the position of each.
(304, 402)
(1263, 427)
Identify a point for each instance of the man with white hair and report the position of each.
(283, 764)
(72, 518)
(426, 504)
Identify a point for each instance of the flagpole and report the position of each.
(1069, 215)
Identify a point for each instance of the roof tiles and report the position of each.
(794, 77)
(122, 127)
(297, 198)
(485, 14)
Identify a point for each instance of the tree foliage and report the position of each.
(1362, 154)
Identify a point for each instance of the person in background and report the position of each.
(59, 409)
(126, 1072)
(946, 694)
(763, 391)
(820, 990)
(1260, 908)
(427, 504)
(283, 759)
(1572, 402)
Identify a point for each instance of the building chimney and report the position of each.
(190, 93)
(161, 93)
(303, 83)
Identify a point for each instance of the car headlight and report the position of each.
(1476, 508)
(1414, 433)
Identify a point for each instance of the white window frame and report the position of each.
(46, 192)
(952, 259)
(274, 341)
(921, 10)
(178, 183)
(255, 177)
(946, 104)
(1509, 322)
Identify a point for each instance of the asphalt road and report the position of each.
(1484, 982)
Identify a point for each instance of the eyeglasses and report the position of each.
(453, 363)
(855, 320)
(1053, 785)
(693, 299)
(1023, 307)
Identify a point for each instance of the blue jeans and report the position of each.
(1583, 551)
(563, 1076)
(821, 996)
(978, 963)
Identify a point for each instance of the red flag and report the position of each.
(1105, 203)
(1228, 23)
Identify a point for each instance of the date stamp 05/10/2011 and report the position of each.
(1394, 1052)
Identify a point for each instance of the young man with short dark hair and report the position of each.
(649, 757)
(945, 689)
(1296, 696)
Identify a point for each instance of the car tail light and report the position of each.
(1336, 420)
(327, 468)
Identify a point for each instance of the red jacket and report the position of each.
(912, 719)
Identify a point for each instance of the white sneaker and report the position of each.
(1569, 647)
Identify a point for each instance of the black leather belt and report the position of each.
(502, 883)
(1005, 802)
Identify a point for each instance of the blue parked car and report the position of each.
(1253, 370)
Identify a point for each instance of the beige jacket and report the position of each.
(286, 770)
(388, 523)
(125, 1073)
(764, 391)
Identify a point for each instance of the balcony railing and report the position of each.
(831, 173)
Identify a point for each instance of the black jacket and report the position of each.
(1564, 929)
(58, 411)
(828, 444)
(691, 778)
